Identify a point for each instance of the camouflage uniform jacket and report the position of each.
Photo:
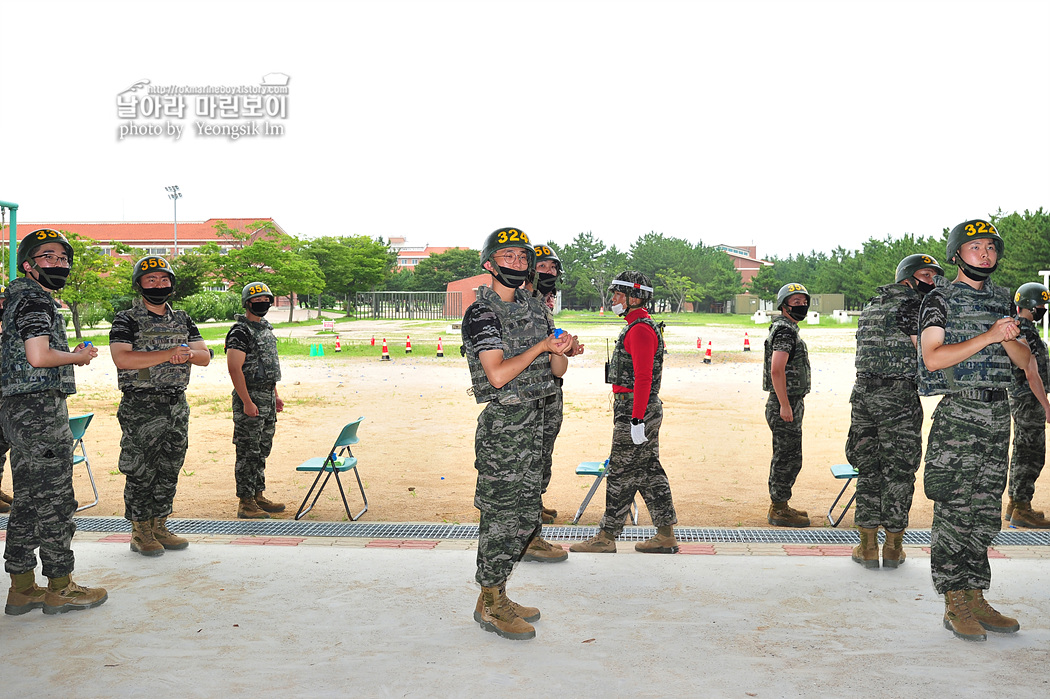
(523, 323)
(797, 370)
(969, 312)
(156, 333)
(30, 307)
(621, 367)
(1020, 387)
(883, 349)
(262, 367)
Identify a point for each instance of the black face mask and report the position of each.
(157, 296)
(260, 308)
(546, 283)
(1038, 313)
(798, 312)
(53, 278)
(922, 287)
(511, 277)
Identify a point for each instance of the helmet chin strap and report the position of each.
(978, 274)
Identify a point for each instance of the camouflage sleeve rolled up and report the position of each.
(934, 312)
(34, 318)
(783, 341)
(192, 331)
(123, 330)
(908, 317)
(484, 329)
(240, 338)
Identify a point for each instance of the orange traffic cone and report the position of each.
(338, 347)
(601, 310)
(386, 355)
(747, 343)
(440, 352)
(408, 344)
(707, 354)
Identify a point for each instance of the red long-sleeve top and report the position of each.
(641, 343)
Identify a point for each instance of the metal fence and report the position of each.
(410, 305)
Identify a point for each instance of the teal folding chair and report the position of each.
(597, 469)
(78, 426)
(847, 473)
(339, 460)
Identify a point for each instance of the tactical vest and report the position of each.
(1020, 387)
(621, 367)
(882, 349)
(16, 373)
(157, 333)
(523, 324)
(797, 369)
(261, 366)
(970, 313)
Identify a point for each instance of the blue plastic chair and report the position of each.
(78, 426)
(597, 469)
(339, 460)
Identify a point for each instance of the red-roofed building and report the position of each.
(745, 260)
(408, 256)
(157, 238)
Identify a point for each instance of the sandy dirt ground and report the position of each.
(417, 441)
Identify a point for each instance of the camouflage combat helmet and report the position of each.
(150, 263)
(545, 252)
(913, 263)
(39, 237)
(972, 230)
(790, 290)
(254, 290)
(634, 284)
(508, 238)
(1031, 295)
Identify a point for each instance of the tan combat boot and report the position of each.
(143, 541)
(867, 552)
(893, 549)
(663, 542)
(267, 505)
(603, 542)
(781, 515)
(987, 616)
(165, 537)
(529, 614)
(548, 515)
(959, 619)
(542, 551)
(25, 595)
(249, 509)
(496, 614)
(1024, 516)
(63, 595)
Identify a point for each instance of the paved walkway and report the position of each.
(285, 616)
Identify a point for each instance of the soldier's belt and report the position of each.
(148, 397)
(883, 381)
(624, 396)
(985, 395)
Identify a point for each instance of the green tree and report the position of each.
(435, 272)
(89, 280)
(351, 264)
(1026, 241)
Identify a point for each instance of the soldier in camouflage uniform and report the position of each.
(885, 433)
(542, 286)
(786, 375)
(251, 358)
(1030, 410)
(153, 347)
(513, 358)
(5, 499)
(37, 375)
(635, 370)
(967, 347)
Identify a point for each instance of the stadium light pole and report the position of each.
(174, 194)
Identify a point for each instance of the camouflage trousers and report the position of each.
(253, 437)
(552, 416)
(37, 424)
(786, 463)
(635, 468)
(152, 450)
(965, 475)
(885, 446)
(1029, 451)
(508, 448)
(5, 446)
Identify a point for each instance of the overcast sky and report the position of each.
(790, 125)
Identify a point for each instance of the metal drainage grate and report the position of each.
(401, 530)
